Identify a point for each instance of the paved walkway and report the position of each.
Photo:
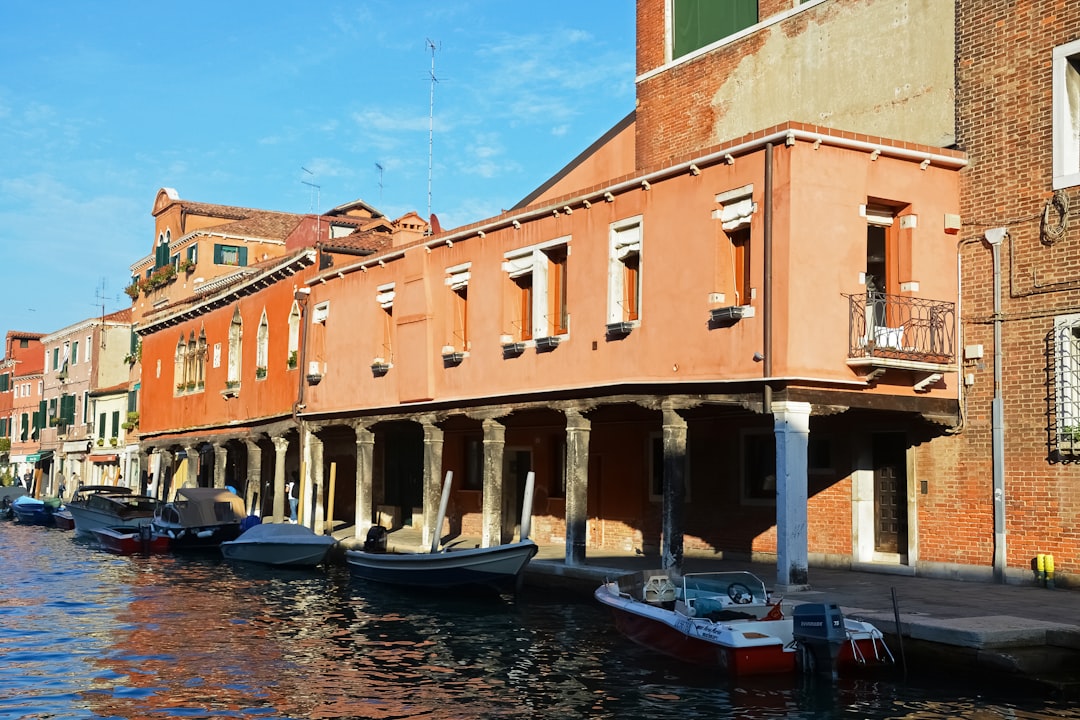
(1023, 629)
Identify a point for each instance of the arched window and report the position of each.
(236, 332)
(262, 341)
(180, 364)
(200, 360)
(294, 336)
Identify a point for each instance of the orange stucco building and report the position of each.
(734, 324)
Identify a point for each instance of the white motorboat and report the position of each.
(199, 518)
(728, 620)
(282, 544)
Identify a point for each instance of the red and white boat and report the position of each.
(130, 539)
(728, 620)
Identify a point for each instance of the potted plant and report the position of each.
(260, 373)
(132, 291)
(187, 266)
(113, 441)
(292, 360)
(100, 442)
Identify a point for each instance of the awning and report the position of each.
(104, 458)
(76, 446)
(43, 455)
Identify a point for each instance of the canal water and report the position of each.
(84, 634)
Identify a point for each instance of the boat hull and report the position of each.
(30, 511)
(495, 567)
(130, 540)
(206, 537)
(63, 520)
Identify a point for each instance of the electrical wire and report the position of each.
(1051, 231)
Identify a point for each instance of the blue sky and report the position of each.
(242, 103)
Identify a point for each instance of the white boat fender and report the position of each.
(204, 534)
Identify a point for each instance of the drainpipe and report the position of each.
(994, 236)
(301, 296)
(766, 303)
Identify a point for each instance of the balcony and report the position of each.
(897, 332)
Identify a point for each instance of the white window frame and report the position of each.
(320, 312)
(621, 243)
(236, 345)
(533, 260)
(262, 347)
(1067, 372)
(1066, 119)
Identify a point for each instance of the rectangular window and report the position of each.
(758, 456)
(115, 424)
(1066, 115)
(230, 255)
(24, 425)
(1067, 384)
(697, 23)
(4, 379)
(538, 305)
(457, 279)
(86, 408)
(557, 479)
(67, 409)
(133, 398)
(193, 253)
(101, 425)
(624, 272)
(474, 464)
(384, 295)
(75, 353)
(56, 359)
(735, 213)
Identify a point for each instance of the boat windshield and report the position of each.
(740, 588)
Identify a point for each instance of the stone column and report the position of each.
(164, 473)
(221, 458)
(314, 508)
(791, 425)
(494, 442)
(433, 481)
(578, 429)
(365, 452)
(253, 484)
(674, 441)
(192, 452)
(281, 446)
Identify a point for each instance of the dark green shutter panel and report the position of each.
(115, 424)
(243, 256)
(217, 254)
(67, 409)
(101, 425)
(133, 344)
(41, 413)
(4, 382)
(25, 426)
(696, 23)
(133, 401)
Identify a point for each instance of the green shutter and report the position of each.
(243, 256)
(697, 23)
(217, 254)
(133, 399)
(25, 427)
(4, 380)
(67, 409)
(101, 425)
(115, 424)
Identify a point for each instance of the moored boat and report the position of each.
(498, 567)
(495, 567)
(94, 506)
(8, 494)
(199, 518)
(728, 620)
(281, 544)
(32, 511)
(130, 539)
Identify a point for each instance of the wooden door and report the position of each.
(890, 493)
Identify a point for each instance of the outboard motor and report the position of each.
(376, 539)
(818, 628)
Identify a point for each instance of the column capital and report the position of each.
(281, 444)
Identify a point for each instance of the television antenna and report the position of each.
(379, 167)
(316, 192)
(431, 125)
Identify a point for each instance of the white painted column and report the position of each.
(791, 425)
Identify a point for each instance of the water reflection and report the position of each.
(84, 634)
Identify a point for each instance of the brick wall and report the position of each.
(1004, 101)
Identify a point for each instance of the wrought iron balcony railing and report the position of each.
(899, 327)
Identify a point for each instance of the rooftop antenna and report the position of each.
(316, 192)
(379, 167)
(101, 298)
(431, 126)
